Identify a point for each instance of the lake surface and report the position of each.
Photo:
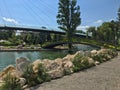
(8, 58)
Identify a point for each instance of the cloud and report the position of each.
(99, 22)
(111, 19)
(82, 27)
(10, 20)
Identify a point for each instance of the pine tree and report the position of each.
(68, 18)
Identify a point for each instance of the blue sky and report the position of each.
(43, 12)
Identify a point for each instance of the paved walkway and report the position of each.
(102, 77)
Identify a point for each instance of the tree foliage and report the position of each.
(68, 18)
(92, 31)
(106, 32)
(118, 25)
(119, 15)
(6, 34)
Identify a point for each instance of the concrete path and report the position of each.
(102, 77)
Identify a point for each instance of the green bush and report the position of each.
(33, 78)
(113, 53)
(42, 73)
(81, 62)
(29, 75)
(6, 43)
(98, 58)
(11, 83)
(77, 63)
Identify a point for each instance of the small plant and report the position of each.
(86, 63)
(11, 83)
(77, 63)
(33, 78)
(98, 58)
(29, 75)
(66, 72)
(81, 62)
(113, 53)
(42, 75)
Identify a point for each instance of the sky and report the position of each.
(39, 13)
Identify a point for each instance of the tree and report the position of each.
(105, 33)
(6, 34)
(119, 15)
(118, 24)
(92, 30)
(68, 18)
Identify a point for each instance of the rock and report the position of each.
(68, 64)
(87, 53)
(46, 63)
(91, 61)
(57, 73)
(53, 67)
(1, 83)
(97, 63)
(7, 70)
(54, 64)
(21, 64)
(109, 57)
(22, 81)
(68, 67)
(103, 51)
(93, 52)
(19, 46)
(68, 58)
(80, 53)
(35, 65)
(25, 86)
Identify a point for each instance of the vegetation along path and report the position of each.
(102, 77)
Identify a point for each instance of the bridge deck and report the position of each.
(36, 29)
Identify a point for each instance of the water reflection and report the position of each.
(7, 58)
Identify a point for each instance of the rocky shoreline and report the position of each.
(59, 67)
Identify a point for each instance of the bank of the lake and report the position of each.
(8, 56)
(102, 77)
(44, 70)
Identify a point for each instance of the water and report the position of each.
(8, 58)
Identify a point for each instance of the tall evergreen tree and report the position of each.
(118, 25)
(68, 18)
(119, 15)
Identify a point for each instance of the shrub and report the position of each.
(77, 63)
(86, 63)
(29, 75)
(104, 56)
(11, 83)
(81, 62)
(33, 78)
(113, 53)
(7, 43)
(42, 73)
(98, 57)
